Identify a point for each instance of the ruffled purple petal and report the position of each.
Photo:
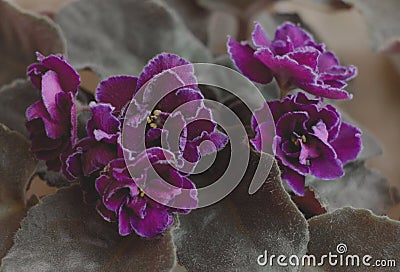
(306, 56)
(97, 157)
(348, 143)
(290, 149)
(124, 224)
(191, 152)
(117, 91)
(103, 125)
(325, 165)
(287, 68)
(134, 139)
(297, 36)
(259, 36)
(187, 198)
(295, 180)
(294, 59)
(175, 99)
(325, 91)
(292, 122)
(338, 73)
(260, 116)
(117, 193)
(38, 111)
(163, 62)
(287, 160)
(90, 156)
(331, 71)
(264, 137)
(69, 79)
(326, 60)
(102, 183)
(138, 205)
(155, 222)
(163, 192)
(320, 131)
(244, 59)
(218, 141)
(107, 215)
(50, 88)
(196, 128)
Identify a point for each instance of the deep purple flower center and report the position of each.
(106, 171)
(296, 139)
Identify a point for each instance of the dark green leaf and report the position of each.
(359, 188)
(194, 17)
(238, 7)
(63, 234)
(231, 234)
(124, 42)
(14, 100)
(362, 232)
(21, 35)
(16, 168)
(53, 179)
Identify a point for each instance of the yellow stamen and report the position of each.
(141, 193)
(304, 139)
(295, 141)
(152, 119)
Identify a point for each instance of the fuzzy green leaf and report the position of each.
(64, 234)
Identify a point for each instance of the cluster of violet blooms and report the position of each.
(311, 138)
(97, 161)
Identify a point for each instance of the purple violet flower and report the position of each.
(51, 121)
(294, 59)
(123, 201)
(182, 105)
(311, 139)
(92, 153)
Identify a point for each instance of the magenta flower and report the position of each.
(91, 154)
(310, 139)
(123, 201)
(51, 121)
(294, 59)
(182, 105)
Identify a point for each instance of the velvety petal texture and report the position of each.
(294, 59)
(168, 83)
(243, 56)
(51, 121)
(117, 91)
(129, 204)
(68, 78)
(310, 139)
